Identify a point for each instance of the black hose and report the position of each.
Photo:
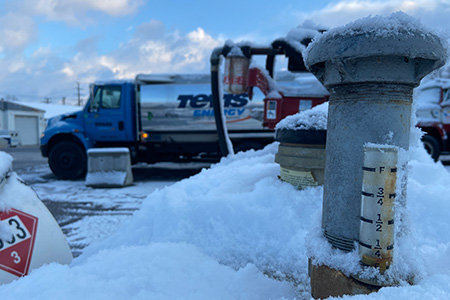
(218, 113)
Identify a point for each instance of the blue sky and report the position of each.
(49, 45)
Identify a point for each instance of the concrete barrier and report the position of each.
(109, 167)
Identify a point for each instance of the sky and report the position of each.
(48, 47)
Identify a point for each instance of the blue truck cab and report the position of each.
(109, 117)
(158, 117)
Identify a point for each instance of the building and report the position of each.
(29, 122)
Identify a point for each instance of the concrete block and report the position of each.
(109, 167)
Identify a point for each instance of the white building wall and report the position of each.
(3, 120)
(11, 120)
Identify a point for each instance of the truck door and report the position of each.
(105, 116)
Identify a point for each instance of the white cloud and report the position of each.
(150, 50)
(16, 32)
(75, 12)
(42, 73)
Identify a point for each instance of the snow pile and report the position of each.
(428, 94)
(5, 231)
(52, 110)
(302, 32)
(155, 271)
(5, 164)
(228, 231)
(395, 24)
(236, 51)
(303, 84)
(5, 169)
(237, 212)
(314, 118)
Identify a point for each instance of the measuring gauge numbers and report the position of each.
(376, 238)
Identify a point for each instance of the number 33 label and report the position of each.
(17, 249)
(19, 233)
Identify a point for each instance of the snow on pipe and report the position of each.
(376, 234)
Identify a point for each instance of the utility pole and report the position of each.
(47, 100)
(79, 94)
(63, 100)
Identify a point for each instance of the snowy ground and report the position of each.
(86, 214)
(233, 231)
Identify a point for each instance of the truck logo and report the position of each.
(203, 101)
(231, 112)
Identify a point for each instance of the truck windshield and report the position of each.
(107, 97)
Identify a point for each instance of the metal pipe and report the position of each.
(370, 77)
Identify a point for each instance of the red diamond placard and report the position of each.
(15, 254)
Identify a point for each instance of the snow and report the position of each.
(381, 28)
(236, 231)
(395, 24)
(5, 169)
(303, 84)
(314, 118)
(109, 150)
(273, 86)
(5, 164)
(428, 96)
(52, 110)
(112, 178)
(300, 33)
(235, 51)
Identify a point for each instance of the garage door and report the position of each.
(28, 129)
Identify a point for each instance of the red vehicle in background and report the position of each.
(241, 77)
(433, 115)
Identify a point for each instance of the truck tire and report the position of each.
(432, 146)
(67, 160)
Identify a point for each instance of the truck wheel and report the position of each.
(67, 160)
(432, 146)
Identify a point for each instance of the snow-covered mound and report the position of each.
(314, 118)
(227, 232)
(5, 164)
